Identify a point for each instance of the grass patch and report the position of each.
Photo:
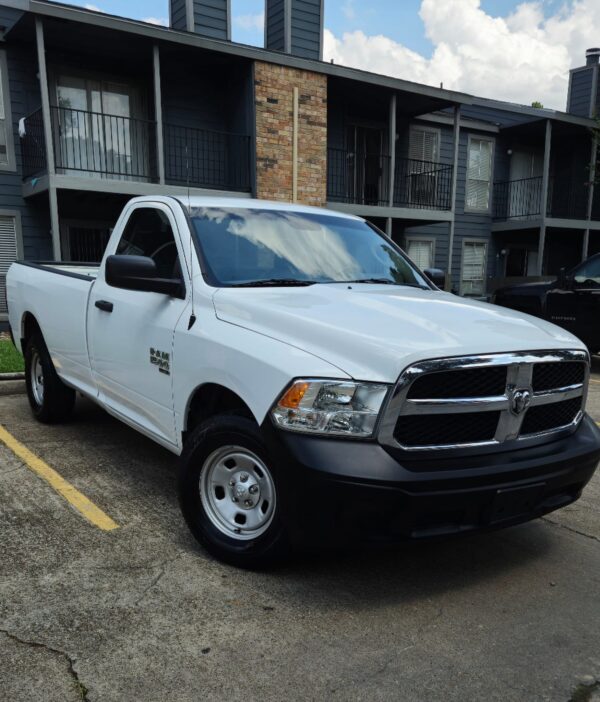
(11, 360)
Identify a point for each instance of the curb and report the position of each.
(12, 376)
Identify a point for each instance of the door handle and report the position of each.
(104, 305)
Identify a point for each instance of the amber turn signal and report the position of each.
(293, 396)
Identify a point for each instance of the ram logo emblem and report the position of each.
(162, 360)
(519, 401)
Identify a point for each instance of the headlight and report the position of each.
(332, 407)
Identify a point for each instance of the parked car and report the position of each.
(318, 387)
(572, 301)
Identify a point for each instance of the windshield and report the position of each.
(269, 247)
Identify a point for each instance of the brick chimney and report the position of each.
(295, 27)
(209, 18)
(584, 96)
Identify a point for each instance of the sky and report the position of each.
(503, 49)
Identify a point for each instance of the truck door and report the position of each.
(586, 285)
(130, 332)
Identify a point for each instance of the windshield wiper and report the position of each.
(275, 282)
(386, 281)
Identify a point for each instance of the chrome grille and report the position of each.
(488, 400)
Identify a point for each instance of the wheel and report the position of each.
(50, 399)
(228, 493)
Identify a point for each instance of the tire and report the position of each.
(50, 399)
(225, 458)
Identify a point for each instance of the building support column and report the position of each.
(544, 201)
(456, 143)
(590, 203)
(47, 121)
(160, 150)
(392, 161)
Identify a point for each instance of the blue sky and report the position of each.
(398, 19)
(517, 50)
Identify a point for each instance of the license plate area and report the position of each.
(510, 503)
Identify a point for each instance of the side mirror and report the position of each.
(139, 273)
(437, 276)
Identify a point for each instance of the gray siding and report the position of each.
(305, 26)
(25, 98)
(8, 16)
(211, 18)
(581, 92)
(178, 14)
(275, 25)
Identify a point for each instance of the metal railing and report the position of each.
(364, 179)
(33, 145)
(355, 178)
(107, 145)
(518, 199)
(522, 199)
(206, 158)
(422, 185)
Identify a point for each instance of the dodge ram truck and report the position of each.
(572, 301)
(317, 386)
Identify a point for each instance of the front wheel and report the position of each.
(228, 493)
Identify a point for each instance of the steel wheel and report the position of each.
(237, 492)
(37, 378)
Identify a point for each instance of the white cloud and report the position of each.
(162, 21)
(94, 8)
(250, 23)
(521, 57)
(349, 10)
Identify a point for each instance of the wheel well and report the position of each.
(29, 326)
(212, 399)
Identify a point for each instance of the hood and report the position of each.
(372, 332)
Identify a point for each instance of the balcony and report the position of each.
(522, 199)
(364, 179)
(98, 145)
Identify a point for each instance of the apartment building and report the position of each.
(96, 109)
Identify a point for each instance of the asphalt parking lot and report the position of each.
(141, 613)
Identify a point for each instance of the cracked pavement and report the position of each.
(142, 613)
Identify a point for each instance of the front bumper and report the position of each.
(340, 491)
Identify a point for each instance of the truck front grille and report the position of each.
(486, 400)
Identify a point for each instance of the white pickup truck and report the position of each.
(318, 387)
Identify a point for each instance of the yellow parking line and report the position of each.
(80, 502)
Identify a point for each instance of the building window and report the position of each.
(479, 174)
(472, 275)
(8, 254)
(424, 144)
(420, 251)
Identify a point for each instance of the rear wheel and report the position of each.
(228, 493)
(50, 399)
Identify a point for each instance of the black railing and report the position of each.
(522, 199)
(596, 203)
(206, 158)
(422, 185)
(518, 199)
(33, 145)
(364, 179)
(108, 145)
(361, 179)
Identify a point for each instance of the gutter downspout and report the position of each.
(453, 196)
(295, 147)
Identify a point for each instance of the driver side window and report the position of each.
(148, 233)
(588, 274)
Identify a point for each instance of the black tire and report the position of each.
(212, 436)
(58, 400)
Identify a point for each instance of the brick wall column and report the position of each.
(274, 98)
